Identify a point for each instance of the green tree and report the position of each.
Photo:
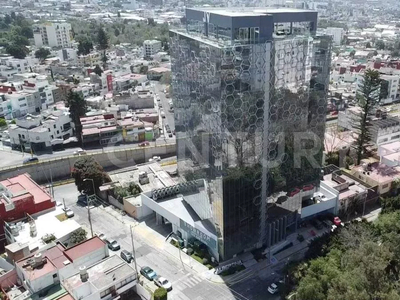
(77, 108)
(97, 70)
(78, 236)
(86, 167)
(42, 53)
(13, 15)
(7, 19)
(3, 122)
(390, 204)
(102, 39)
(102, 43)
(85, 46)
(367, 98)
(368, 45)
(17, 51)
(380, 45)
(116, 32)
(118, 14)
(160, 294)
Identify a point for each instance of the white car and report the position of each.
(273, 288)
(162, 282)
(80, 152)
(68, 212)
(155, 158)
(101, 236)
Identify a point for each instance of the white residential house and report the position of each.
(41, 132)
(384, 129)
(10, 66)
(53, 35)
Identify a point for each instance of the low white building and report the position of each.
(384, 128)
(9, 66)
(41, 132)
(105, 280)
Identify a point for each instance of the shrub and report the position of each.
(174, 243)
(209, 266)
(198, 258)
(160, 294)
(189, 251)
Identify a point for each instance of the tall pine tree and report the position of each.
(77, 108)
(368, 96)
(102, 44)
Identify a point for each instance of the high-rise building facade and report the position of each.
(249, 91)
(53, 35)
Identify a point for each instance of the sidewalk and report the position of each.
(266, 266)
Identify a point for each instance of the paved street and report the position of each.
(16, 157)
(187, 285)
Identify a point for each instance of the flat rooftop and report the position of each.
(23, 185)
(84, 248)
(45, 224)
(103, 274)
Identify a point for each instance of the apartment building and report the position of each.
(151, 47)
(53, 35)
(336, 33)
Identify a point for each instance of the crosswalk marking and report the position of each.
(188, 281)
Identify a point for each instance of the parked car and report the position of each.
(102, 236)
(317, 224)
(82, 199)
(162, 114)
(148, 273)
(30, 160)
(162, 282)
(68, 212)
(294, 192)
(144, 144)
(273, 288)
(337, 221)
(308, 187)
(113, 245)
(170, 135)
(80, 152)
(126, 255)
(327, 223)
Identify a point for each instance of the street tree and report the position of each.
(86, 167)
(102, 44)
(78, 236)
(85, 46)
(368, 96)
(3, 122)
(17, 51)
(160, 294)
(380, 45)
(42, 54)
(97, 70)
(77, 108)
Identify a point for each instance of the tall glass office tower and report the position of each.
(249, 91)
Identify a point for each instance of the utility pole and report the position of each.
(65, 207)
(88, 203)
(89, 217)
(51, 184)
(134, 253)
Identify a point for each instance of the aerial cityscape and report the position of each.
(199, 149)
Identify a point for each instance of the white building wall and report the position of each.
(337, 34)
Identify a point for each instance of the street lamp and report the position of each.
(88, 205)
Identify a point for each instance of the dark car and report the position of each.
(148, 273)
(127, 256)
(82, 199)
(113, 245)
(317, 224)
(30, 160)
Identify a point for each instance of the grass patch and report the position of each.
(62, 217)
(198, 258)
(209, 266)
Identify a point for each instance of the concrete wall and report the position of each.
(115, 202)
(142, 292)
(60, 168)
